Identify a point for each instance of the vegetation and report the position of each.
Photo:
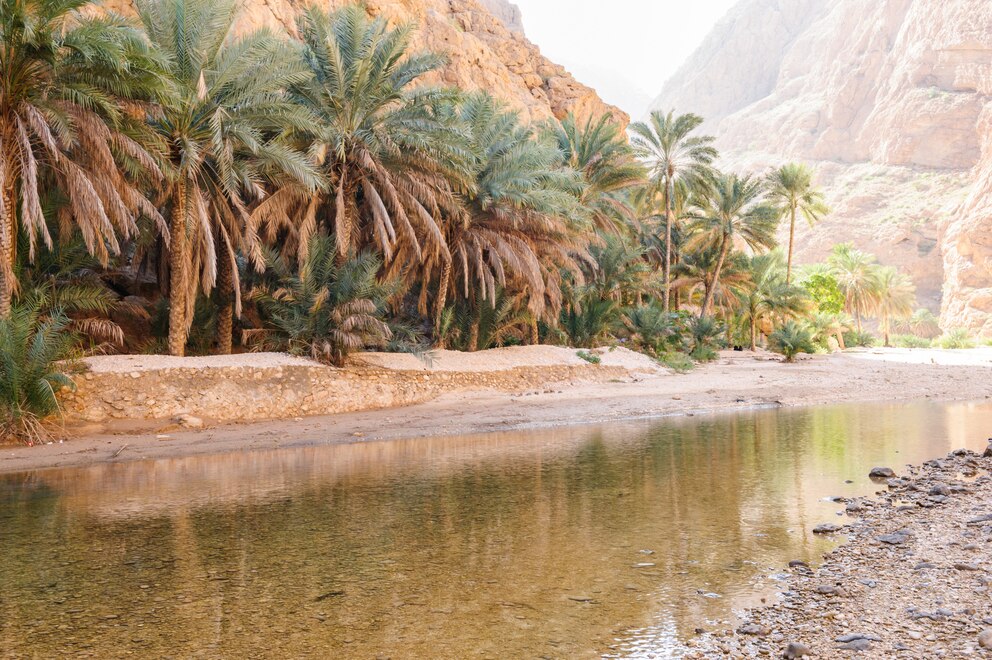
(215, 191)
(792, 339)
(33, 349)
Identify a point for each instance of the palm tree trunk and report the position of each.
(669, 187)
(225, 297)
(177, 273)
(708, 301)
(8, 233)
(754, 335)
(535, 334)
(442, 300)
(792, 240)
(857, 315)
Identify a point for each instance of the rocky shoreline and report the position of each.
(912, 581)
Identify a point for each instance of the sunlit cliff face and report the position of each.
(889, 99)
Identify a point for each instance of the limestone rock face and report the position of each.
(890, 100)
(483, 39)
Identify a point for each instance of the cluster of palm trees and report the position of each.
(316, 189)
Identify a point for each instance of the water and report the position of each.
(564, 543)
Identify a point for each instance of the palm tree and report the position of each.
(768, 294)
(69, 88)
(327, 310)
(516, 229)
(393, 164)
(857, 275)
(229, 97)
(896, 299)
(677, 162)
(790, 189)
(597, 150)
(733, 211)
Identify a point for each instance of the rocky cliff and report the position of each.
(484, 40)
(891, 100)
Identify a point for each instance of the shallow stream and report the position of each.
(558, 543)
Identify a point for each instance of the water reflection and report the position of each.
(555, 543)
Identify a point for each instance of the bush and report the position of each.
(34, 350)
(792, 339)
(956, 339)
(655, 330)
(678, 362)
(910, 341)
(705, 334)
(853, 338)
(328, 310)
(589, 357)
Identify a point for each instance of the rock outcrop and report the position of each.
(483, 39)
(892, 101)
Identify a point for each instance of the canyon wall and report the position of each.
(483, 39)
(891, 101)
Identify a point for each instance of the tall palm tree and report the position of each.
(229, 98)
(768, 294)
(597, 150)
(733, 211)
(896, 299)
(857, 275)
(393, 165)
(518, 229)
(678, 162)
(791, 190)
(71, 88)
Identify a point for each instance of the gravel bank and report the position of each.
(912, 582)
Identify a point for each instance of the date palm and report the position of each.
(791, 190)
(516, 230)
(71, 90)
(391, 162)
(229, 98)
(768, 295)
(597, 150)
(734, 211)
(678, 162)
(896, 299)
(857, 275)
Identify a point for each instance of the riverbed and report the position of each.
(594, 541)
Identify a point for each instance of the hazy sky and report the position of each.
(626, 49)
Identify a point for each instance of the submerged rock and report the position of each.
(882, 473)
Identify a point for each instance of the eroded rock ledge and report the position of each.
(268, 386)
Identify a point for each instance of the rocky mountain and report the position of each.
(891, 101)
(484, 40)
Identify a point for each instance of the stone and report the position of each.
(190, 422)
(857, 645)
(896, 538)
(940, 489)
(985, 639)
(881, 473)
(851, 637)
(826, 528)
(966, 566)
(754, 629)
(796, 650)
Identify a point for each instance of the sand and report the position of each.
(735, 380)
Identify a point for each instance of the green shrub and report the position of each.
(705, 335)
(792, 339)
(35, 350)
(327, 310)
(910, 341)
(591, 358)
(854, 338)
(677, 362)
(956, 339)
(654, 329)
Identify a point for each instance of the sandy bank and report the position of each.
(913, 582)
(736, 380)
